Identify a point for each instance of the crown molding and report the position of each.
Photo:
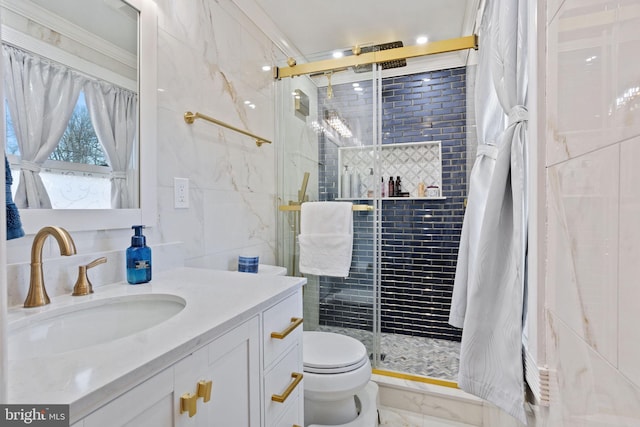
(54, 22)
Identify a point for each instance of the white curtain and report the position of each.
(113, 113)
(490, 277)
(41, 96)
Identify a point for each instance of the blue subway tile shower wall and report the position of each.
(419, 238)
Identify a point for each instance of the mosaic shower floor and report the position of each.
(427, 357)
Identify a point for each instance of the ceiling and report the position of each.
(312, 30)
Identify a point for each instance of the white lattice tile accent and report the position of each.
(413, 162)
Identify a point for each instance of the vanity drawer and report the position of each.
(282, 327)
(292, 416)
(283, 385)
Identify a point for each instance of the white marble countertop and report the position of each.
(216, 301)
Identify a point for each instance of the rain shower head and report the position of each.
(385, 65)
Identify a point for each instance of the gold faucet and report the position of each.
(83, 285)
(37, 295)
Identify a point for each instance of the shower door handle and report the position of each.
(295, 322)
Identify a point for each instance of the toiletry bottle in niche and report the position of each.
(398, 187)
(138, 258)
(370, 182)
(391, 191)
(346, 183)
(421, 189)
(383, 188)
(355, 185)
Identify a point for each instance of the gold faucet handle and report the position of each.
(83, 285)
(101, 260)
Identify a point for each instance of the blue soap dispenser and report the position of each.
(138, 258)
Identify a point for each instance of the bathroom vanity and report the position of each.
(224, 349)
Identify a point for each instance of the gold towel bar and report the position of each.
(297, 207)
(190, 117)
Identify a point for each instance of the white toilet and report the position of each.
(337, 387)
(338, 391)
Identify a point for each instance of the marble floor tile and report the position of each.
(391, 417)
(427, 357)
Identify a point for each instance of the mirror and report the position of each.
(112, 45)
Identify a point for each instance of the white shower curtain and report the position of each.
(490, 277)
(41, 96)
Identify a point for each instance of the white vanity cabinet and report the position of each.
(250, 375)
(282, 363)
(218, 385)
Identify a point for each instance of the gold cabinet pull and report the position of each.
(188, 404)
(204, 390)
(280, 398)
(295, 322)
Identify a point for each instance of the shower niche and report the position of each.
(415, 163)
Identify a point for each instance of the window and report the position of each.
(76, 175)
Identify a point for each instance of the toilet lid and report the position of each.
(329, 353)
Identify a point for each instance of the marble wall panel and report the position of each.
(592, 68)
(582, 247)
(629, 291)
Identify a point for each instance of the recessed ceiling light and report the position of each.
(338, 54)
(266, 68)
(247, 102)
(422, 40)
(358, 89)
(355, 84)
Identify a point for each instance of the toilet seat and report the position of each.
(330, 353)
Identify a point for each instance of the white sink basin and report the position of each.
(94, 322)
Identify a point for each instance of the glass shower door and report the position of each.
(342, 136)
(327, 135)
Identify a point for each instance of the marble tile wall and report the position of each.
(592, 148)
(210, 59)
(593, 194)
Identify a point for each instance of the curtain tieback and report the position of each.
(487, 150)
(26, 165)
(518, 114)
(118, 175)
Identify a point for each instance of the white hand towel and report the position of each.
(326, 238)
